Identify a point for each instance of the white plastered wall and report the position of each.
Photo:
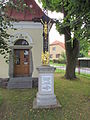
(4, 67)
(59, 50)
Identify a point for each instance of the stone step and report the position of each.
(20, 82)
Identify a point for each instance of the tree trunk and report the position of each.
(72, 50)
(72, 56)
(70, 67)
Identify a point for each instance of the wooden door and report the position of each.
(21, 64)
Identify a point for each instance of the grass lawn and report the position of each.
(57, 64)
(81, 74)
(74, 97)
(0, 99)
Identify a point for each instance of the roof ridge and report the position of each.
(26, 15)
(58, 43)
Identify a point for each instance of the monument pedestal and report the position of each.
(45, 96)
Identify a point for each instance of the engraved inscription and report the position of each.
(46, 85)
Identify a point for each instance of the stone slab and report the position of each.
(46, 69)
(35, 106)
(46, 99)
(20, 82)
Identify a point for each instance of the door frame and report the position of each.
(13, 38)
(11, 60)
(21, 74)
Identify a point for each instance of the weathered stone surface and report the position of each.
(46, 100)
(46, 106)
(46, 69)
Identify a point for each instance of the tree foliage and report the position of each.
(78, 16)
(5, 23)
(75, 26)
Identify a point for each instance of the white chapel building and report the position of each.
(26, 44)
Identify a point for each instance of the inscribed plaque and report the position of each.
(46, 84)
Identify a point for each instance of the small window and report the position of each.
(57, 55)
(26, 57)
(17, 57)
(54, 48)
(21, 42)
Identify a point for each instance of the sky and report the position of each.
(54, 35)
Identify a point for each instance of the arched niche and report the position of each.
(21, 42)
(20, 36)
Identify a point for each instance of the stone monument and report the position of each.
(45, 97)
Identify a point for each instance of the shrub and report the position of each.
(55, 61)
(51, 61)
(62, 59)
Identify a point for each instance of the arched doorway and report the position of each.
(21, 59)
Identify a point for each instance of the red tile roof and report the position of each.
(58, 43)
(27, 14)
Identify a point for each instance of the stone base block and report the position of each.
(36, 106)
(45, 101)
(20, 82)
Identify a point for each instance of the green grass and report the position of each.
(85, 75)
(59, 71)
(57, 64)
(63, 71)
(81, 74)
(0, 100)
(74, 97)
